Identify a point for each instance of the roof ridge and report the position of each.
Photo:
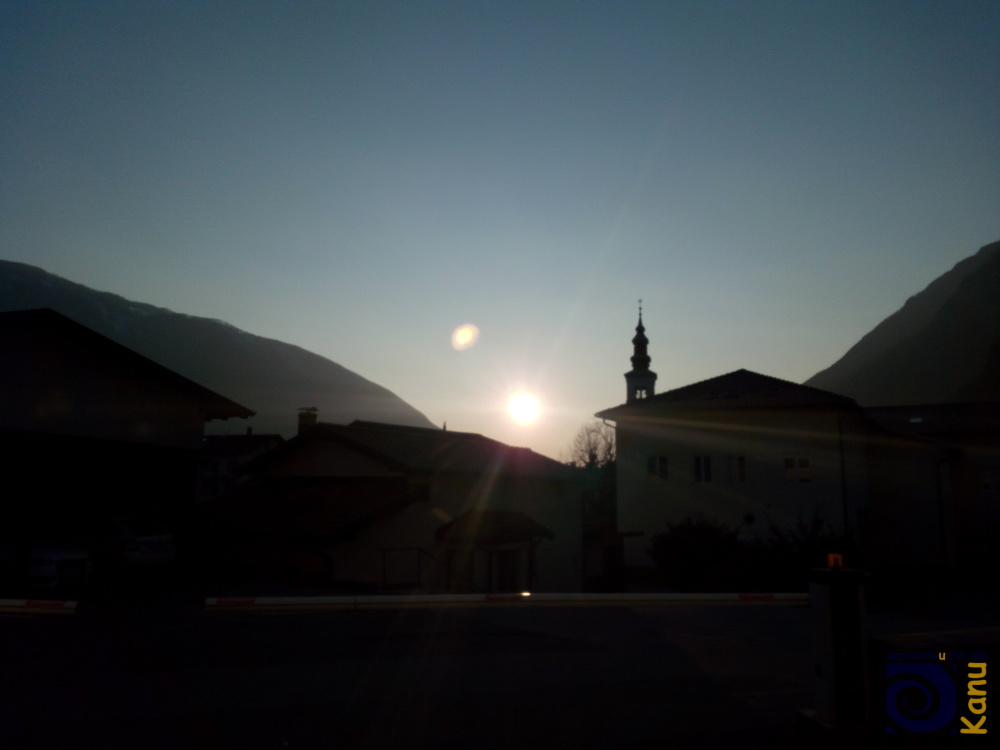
(738, 389)
(50, 316)
(755, 374)
(413, 429)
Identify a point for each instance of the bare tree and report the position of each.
(593, 449)
(593, 446)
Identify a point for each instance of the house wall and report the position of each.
(407, 548)
(556, 505)
(909, 523)
(976, 481)
(67, 483)
(763, 494)
(964, 450)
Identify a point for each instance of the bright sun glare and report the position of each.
(523, 408)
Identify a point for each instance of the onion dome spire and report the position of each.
(640, 381)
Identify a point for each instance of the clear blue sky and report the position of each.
(772, 178)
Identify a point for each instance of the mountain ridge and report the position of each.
(218, 355)
(941, 346)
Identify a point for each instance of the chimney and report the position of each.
(308, 416)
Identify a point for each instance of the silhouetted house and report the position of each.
(970, 479)
(765, 456)
(392, 508)
(91, 428)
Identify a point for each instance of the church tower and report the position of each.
(640, 381)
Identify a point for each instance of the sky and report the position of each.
(772, 179)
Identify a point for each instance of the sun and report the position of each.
(523, 408)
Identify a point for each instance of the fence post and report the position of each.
(839, 610)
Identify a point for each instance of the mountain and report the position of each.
(271, 377)
(942, 346)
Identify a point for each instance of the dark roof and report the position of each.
(741, 389)
(239, 446)
(213, 405)
(428, 450)
(313, 508)
(491, 527)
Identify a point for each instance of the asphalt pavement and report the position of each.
(161, 672)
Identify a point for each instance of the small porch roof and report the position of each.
(486, 528)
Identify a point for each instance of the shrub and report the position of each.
(699, 554)
(696, 554)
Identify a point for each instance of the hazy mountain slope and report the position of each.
(271, 377)
(942, 346)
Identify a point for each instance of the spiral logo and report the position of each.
(920, 697)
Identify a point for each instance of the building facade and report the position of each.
(765, 457)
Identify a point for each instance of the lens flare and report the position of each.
(523, 408)
(464, 336)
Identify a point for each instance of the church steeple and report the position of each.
(640, 381)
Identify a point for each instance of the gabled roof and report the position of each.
(42, 321)
(432, 450)
(741, 389)
(491, 527)
(425, 451)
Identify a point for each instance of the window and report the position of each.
(797, 469)
(640, 393)
(737, 468)
(703, 468)
(656, 467)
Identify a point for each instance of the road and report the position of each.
(163, 673)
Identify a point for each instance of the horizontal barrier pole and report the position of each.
(38, 606)
(418, 601)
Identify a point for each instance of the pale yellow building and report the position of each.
(760, 454)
